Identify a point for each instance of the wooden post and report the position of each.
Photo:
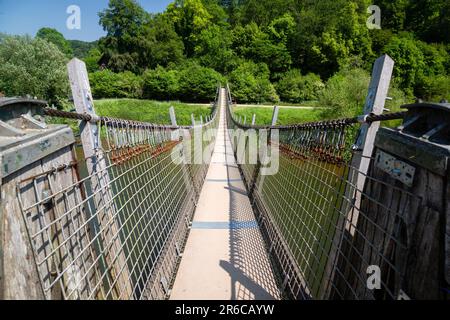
(245, 119)
(276, 110)
(173, 118)
(363, 148)
(193, 119)
(254, 119)
(96, 165)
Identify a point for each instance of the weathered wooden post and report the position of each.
(173, 118)
(193, 119)
(276, 110)
(362, 151)
(97, 168)
(254, 119)
(363, 148)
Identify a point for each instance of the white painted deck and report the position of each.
(225, 257)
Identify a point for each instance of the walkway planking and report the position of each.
(225, 257)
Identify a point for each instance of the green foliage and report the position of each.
(345, 94)
(198, 83)
(434, 88)
(190, 18)
(263, 12)
(136, 40)
(81, 49)
(150, 111)
(122, 48)
(429, 19)
(92, 60)
(213, 47)
(189, 82)
(107, 84)
(294, 87)
(162, 43)
(55, 37)
(161, 84)
(317, 37)
(33, 66)
(409, 60)
(253, 44)
(328, 33)
(250, 83)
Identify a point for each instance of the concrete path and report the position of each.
(225, 257)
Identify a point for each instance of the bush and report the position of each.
(33, 66)
(198, 83)
(420, 67)
(107, 84)
(161, 84)
(434, 88)
(345, 94)
(409, 60)
(250, 82)
(293, 87)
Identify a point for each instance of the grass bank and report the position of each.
(285, 116)
(149, 110)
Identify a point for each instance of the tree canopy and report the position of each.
(55, 37)
(267, 49)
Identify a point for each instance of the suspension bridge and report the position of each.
(339, 209)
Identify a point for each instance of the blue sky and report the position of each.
(28, 16)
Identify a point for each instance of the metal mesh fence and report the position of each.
(118, 232)
(325, 229)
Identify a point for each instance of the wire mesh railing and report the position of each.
(118, 231)
(324, 229)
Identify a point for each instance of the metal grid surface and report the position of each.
(323, 230)
(117, 233)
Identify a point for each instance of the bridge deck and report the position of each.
(225, 257)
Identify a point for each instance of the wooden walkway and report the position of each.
(225, 256)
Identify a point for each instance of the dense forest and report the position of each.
(269, 51)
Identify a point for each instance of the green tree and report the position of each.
(250, 82)
(251, 43)
(92, 59)
(123, 47)
(263, 12)
(393, 13)
(198, 83)
(190, 18)
(328, 33)
(213, 49)
(294, 87)
(161, 44)
(33, 66)
(161, 84)
(55, 37)
(107, 84)
(81, 49)
(429, 19)
(409, 60)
